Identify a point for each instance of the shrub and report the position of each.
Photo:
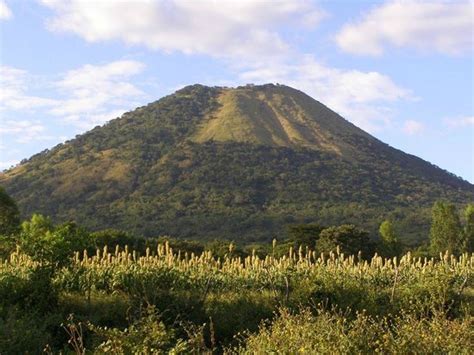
(330, 332)
(348, 238)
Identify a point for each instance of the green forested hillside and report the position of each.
(233, 163)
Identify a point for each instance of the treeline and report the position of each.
(450, 231)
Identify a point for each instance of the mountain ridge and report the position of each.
(229, 162)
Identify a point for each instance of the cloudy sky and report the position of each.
(401, 70)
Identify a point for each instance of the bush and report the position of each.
(24, 333)
(49, 244)
(30, 290)
(330, 332)
(348, 238)
(9, 214)
(147, 335)
(232, 312)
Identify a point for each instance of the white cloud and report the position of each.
(361, 97)
(93, 94)
(218, 28)
(24, 131)
(94, 119)
(5, 12)
(85, 97)
(14, 86)
(445, 27)
(412, 127)
(460, 122)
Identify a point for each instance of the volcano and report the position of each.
(237, 163)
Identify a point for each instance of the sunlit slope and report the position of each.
(275, 116)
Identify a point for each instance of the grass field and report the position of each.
(170, 302)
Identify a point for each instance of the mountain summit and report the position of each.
(235, 163)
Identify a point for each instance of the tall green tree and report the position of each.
(390, 243)
(445, 232)
(348, 238)
(50, 244)
(468, 242)
(304, 234)
(9, 214)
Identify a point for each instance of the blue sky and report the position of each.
(402, 70)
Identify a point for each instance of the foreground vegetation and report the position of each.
(64, 289)
(165, 301)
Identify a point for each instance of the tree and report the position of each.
(52, 245)
(37, 226)
(9, 214)
(114, 237)
(304, 234)
(390, 244)
(468, 237)
(445, 232)
(348, 238)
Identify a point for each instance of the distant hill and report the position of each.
(238, 163)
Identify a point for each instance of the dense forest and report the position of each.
(243, 164)
(320, 290)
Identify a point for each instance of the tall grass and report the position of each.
(228, 296)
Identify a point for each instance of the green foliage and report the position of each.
(30, 290)
(330, 332)
(468, 242)
(118, 238)
(9, 214)
(110, 310)
(49, 244)
(166, 300)
(147, 335)
(233, 312)
(445, 233)
(23, 332)
(387, 232)
(304, 234)
(348, 238)
(390, 243)
(114, 237)
(221, 249)
(37, 227)
(27, 299)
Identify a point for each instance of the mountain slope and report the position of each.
(238, 163)
(273, 117)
